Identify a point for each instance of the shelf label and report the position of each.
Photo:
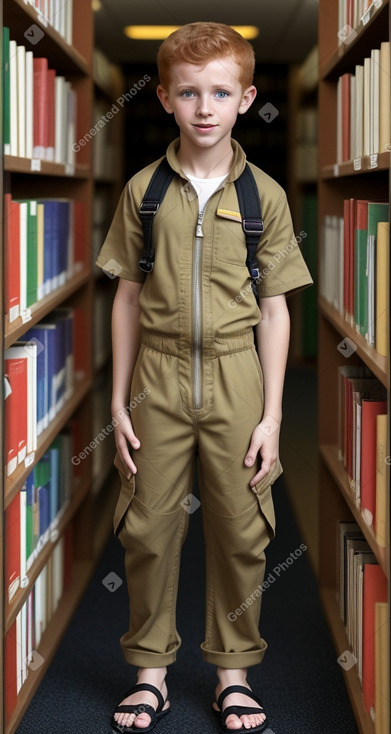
(35, 164)
(29, 459)
(69, 169)
(368, 517)
(26, 315)
(336, 169)
(357, 164)
(54, 535)
(24, 582)
(373, 160)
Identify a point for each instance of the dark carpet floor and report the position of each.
(299, 681)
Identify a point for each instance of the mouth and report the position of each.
(204, 126)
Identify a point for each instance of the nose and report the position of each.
(204, 105)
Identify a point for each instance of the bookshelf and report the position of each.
(367, 178)
(73, 541)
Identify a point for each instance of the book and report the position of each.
(360, 267)
(374, 591)
(382, 672)
(15, 418)
(385, 117)
(6, 91)
(371, 408)
(382, 497)
(12, 548)
(40, 107)
(377, 212)
(12, 257)
(382, 289)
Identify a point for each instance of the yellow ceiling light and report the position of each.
(160, 32)
(96, 5)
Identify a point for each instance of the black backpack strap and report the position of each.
(252, 222)
(153, 197)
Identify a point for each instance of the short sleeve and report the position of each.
(282, 268)
(124, 243)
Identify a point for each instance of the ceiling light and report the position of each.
(160, 32)
(96, 5)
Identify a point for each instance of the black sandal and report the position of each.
(139, 708)
(239, 710)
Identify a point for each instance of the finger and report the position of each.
(252, 453)
(123, 450)
(264, 470)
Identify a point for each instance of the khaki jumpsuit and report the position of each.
(198, 384)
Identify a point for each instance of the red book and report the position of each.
(350, 12)
(40, 92)
(50, 111)
(16, 406)
(10, 673)
(12, 257)
(374, 590)
(370, 409)
(12, 548)
(346, 116)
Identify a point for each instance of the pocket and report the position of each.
(125, 497)
(230, 241)
(263, 492)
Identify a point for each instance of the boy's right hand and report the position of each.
(124, 435)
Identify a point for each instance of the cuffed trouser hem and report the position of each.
(234, 659)
(143, 659)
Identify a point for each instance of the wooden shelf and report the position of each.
(80, 492)
(377, 364)
(14, 483)
(51, 638)
(345, 57)
(338, 170)
(329, 455)
(43, 307)
(353, 685)
(19, 16)
(38, 167)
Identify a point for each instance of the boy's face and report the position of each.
(206, 100)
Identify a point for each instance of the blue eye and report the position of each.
(187, 93)
(221, 94)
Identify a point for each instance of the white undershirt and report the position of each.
(205, 187)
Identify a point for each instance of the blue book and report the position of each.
(38, 336)
(55, 503)
(48, 264)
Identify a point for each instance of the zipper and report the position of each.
(197, 313)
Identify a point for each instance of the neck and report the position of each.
(205, 162)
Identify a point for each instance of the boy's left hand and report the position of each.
(265, 439)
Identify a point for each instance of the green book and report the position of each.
(360, 268)
(6, 91)
(377, 212)
(32, 252)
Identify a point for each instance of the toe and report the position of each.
(233, 722)
(142, 721)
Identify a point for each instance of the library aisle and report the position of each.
(79, 117)
(88, 673)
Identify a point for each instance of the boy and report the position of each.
(183, 337)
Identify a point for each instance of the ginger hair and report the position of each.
(199, 43)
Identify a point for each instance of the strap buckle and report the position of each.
(149, 207)
(145, 265)
(253, 226)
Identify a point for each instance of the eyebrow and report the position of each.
(215, 86)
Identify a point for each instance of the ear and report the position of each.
(164, 99)
(248, 97)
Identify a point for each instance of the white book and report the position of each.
(21, 66)
(24, 641)
(61, 22)
(29, 104)
(55, 20)
(352, 117)
(339, 120)
(359, 110)
(23, 502)
(60, 132)
(71, 129)
(385, 99)
(375, 94)
(14, 123)
(58, 571)
(367, 107)
(30, 625)
(38, 609)
(69, 23)
(23, 255)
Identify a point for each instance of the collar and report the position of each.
(236, 170)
